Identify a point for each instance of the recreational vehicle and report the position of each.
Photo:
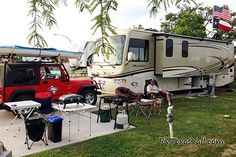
(87, 49)
(177, 62)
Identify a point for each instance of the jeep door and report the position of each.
(52, 80)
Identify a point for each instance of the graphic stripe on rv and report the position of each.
(179, 71)
(128, 73)
(210, 46)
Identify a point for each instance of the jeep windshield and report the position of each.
(117, 42)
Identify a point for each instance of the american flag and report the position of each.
(222, 13)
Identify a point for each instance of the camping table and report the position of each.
(18, 108)
(75, 108)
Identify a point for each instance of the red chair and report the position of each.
(131, 97)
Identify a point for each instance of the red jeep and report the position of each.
(21, 80)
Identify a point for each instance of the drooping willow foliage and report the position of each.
(42, 13)
(155, 5)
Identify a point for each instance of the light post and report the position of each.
(69, 60)
(63, 36)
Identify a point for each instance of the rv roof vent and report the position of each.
(151, 29)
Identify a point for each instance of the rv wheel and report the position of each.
(90, 96)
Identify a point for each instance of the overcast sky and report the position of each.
(14, 26)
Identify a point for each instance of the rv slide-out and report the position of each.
(178, 56)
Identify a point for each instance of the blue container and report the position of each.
(55, 119)
(55, 128)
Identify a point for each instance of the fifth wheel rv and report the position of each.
(177, 62)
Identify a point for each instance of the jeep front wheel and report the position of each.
(90, 96)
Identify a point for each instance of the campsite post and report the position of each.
(212, 84)
(170, 120)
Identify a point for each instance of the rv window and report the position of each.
(117, 42)
(185, 49)
(139, 47)
(169, 48)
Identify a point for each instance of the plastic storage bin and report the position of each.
(55, 128)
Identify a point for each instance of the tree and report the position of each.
(188, 21)
(42, 13)
(190, 24)
(139, 27)
(193, 21)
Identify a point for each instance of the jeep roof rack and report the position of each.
(13, 53)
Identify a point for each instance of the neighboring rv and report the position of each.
(87, 49)
(177, 62)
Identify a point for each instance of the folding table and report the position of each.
(75, 108)
(18, 108)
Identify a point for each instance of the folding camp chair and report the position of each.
(146, 107)
(149, 103)
(159, 95)
(151, 96)
(130, 96)
(45, 99)
(35, 128)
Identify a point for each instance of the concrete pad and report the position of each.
(19, 148)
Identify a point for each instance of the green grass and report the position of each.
(193, 119)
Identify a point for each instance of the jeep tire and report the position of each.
(90, 96)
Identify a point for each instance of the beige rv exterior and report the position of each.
(177, 62)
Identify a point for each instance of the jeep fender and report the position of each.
(22, 92)
(82, 88)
